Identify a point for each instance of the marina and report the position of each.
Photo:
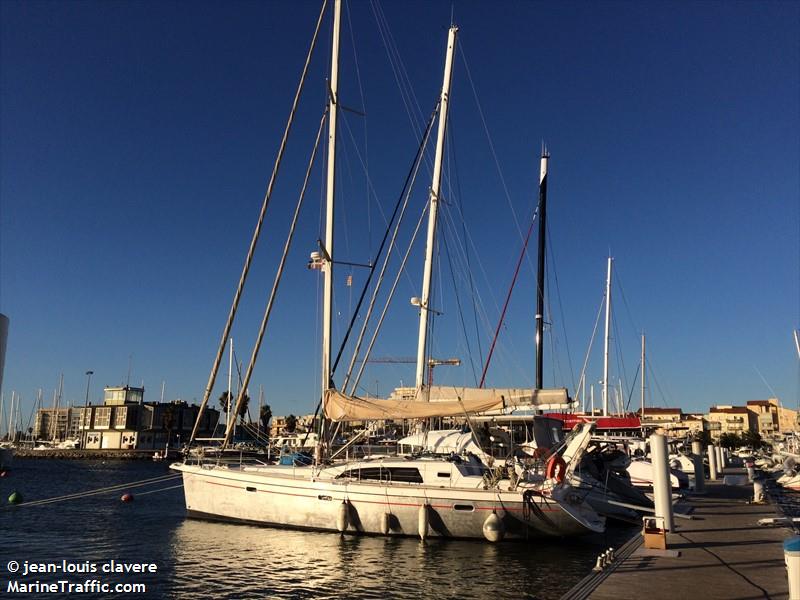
(483, 266)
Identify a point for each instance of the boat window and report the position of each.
(443, 474)
(464, 507)
(403, 474)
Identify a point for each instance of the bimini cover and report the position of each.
(436, 401)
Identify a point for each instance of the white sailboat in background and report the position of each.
(457, 496)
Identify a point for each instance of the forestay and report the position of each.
(437, 401)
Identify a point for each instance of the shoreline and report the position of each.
(71, 454)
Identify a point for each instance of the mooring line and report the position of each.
(103, 490)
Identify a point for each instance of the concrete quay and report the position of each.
(722, 553)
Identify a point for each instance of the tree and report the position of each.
(753, 439)
(291, 423)
(265, 417)
(730, 440)
(243, 407)
(225, 400)
(168, 418)
(704, 437)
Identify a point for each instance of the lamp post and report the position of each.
(86, 408)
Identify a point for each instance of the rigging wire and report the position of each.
(364, 112)
(491, 147)
(508, 297)
(582, 378)
(619, 355)
(275, 284)
(457, 196)
(410, 102)
(256, 233)
(379, 324)
(560, 307)
(400, 205)
(460, 310)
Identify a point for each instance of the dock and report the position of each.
(722, 553)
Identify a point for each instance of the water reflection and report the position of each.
(207, 559)
(262, 562)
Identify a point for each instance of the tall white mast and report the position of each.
(433, 208)
(327, 264)
(643, 372)
(605, 346)
(230, 375)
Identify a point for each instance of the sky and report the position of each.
(138, 139)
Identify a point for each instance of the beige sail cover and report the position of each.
(438, 401)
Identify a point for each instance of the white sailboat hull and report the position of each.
(305, 498)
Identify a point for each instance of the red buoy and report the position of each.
(127, 497)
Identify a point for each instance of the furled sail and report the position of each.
(437, 401)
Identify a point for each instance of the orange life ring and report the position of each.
(556, 468)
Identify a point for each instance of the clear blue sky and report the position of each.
(138, 138)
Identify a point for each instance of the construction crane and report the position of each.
(432, 363)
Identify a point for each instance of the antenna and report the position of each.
(128, 380)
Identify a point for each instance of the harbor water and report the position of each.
(195, 558)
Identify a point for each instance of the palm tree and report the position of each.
(243, 407)
(265, 417)
(225, 400)
(291, 423)
(168, 421)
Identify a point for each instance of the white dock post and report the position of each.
(712, 462)
(758, 491)
(699, 474)
(718, 456)
(791, 554)
(662, 487)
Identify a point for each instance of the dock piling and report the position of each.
(662, 486)
(712, 462)
(699, 475)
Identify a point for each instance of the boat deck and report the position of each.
(724, 554)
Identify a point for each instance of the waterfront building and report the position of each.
(56, 424)
(772, 419)
(663, 420)
(124, 422)
(730, 419)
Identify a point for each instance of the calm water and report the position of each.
(204, 559)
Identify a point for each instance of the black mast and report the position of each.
(541, 266)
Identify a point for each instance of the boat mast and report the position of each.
(643, 372)
(433, 208)
(230, 375)
(605, 347)
(327, 264)
(541, 266)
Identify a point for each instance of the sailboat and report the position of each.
(458, 496)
